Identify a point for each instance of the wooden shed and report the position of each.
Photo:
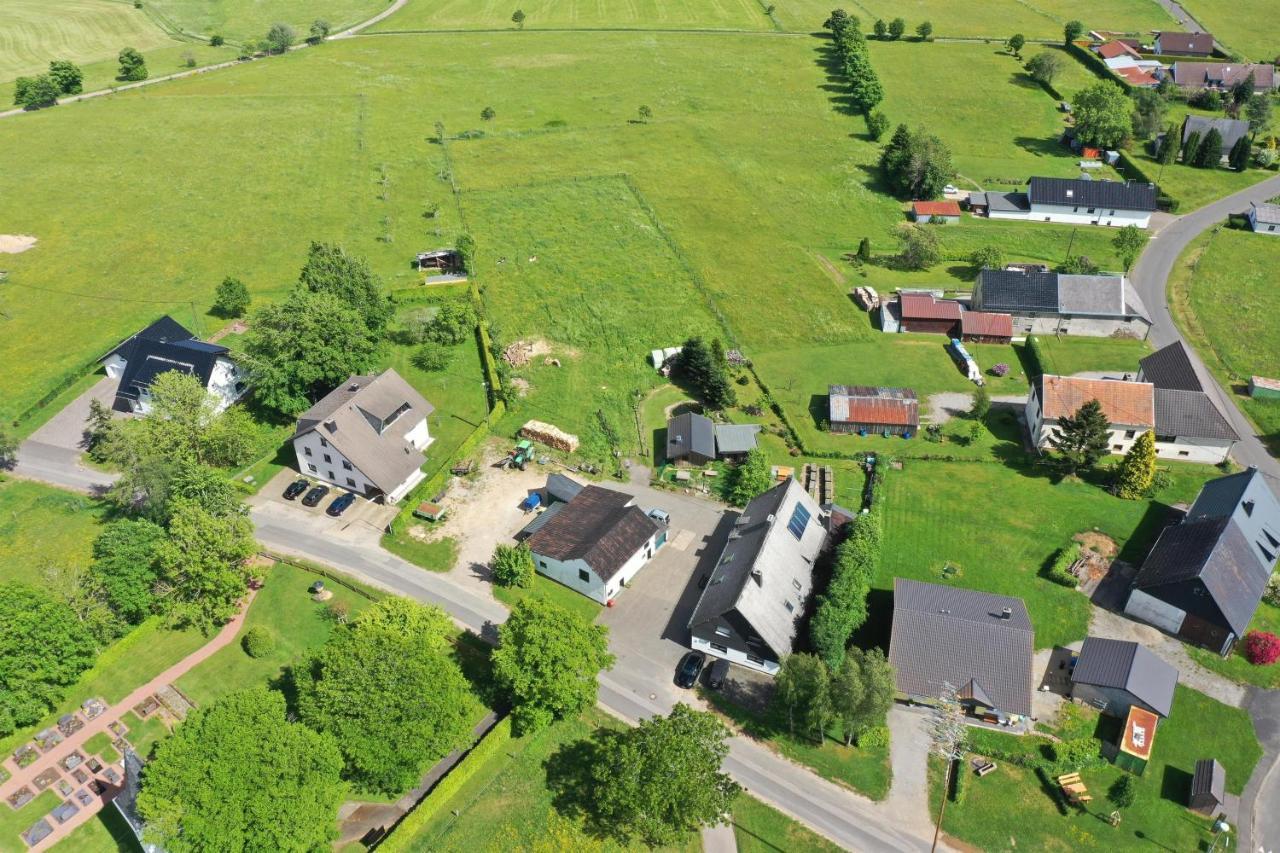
(921, 312)
(1208, 787)
(865, 409)
(982, 327)
(1262, 388)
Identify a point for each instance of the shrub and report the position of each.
(216, 40)
(874, 737)
(1123, 791)
(1272, 595)
(1000, 369)
(258, 642)
(1058, 568)
(432, 357)
(231, 299)
(959, 780)
(1036, 357)
(513, 566)
(1261, 648)
(1076, 753)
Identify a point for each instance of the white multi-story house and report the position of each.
(1076, 202)
(166, 346)
(596, 542)
(366, 436)
(1187, 425)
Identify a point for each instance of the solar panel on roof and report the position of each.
(799, 520)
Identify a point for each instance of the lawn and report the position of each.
(1011, 808)
(1000, 524)
(1067, 355)
(1250, 27)
(42, 526)
(759, 828)
(1236, 666)
(863, 769)
(548, 590)
(996, 19)
(286, 609)
(438, 555)
(14, 823)
(243, 20)
(144, 734)
(32, 32)
(580, 14)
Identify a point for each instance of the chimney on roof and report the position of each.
(770, 518)
(758, 577)
(1007, 613)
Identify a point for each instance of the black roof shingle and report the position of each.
(1110, 194)
(1013, 291)
(599, 526)
(1127, 666)
(1190, 414)
(1170, 367)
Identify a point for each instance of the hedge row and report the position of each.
(1095, 64)
(1035, 358)
(1057, 568)
(404, 833)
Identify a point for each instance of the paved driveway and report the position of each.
(363, 521)
(53, 452)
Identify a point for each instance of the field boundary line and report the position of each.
(706, 31)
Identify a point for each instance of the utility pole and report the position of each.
(947, 729)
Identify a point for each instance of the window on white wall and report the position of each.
(584, 576)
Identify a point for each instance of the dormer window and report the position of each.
(1247, 506)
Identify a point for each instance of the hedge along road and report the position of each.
(345, 34)
(1151, 276)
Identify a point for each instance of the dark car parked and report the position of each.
(296, 488)
(315, 496)
(689, 670)
(340, 504)
(717, 673)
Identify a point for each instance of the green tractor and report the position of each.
(520, 456)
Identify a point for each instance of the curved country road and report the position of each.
(1260, 827)
(98, 93)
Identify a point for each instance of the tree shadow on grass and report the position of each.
(1155, 519)
(1039, 146)
(573, 790)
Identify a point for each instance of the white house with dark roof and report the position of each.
(749, 611)
(596, 542)
(979, 643)
(163, 347)
(1080, 202)
(366, 436)
(1265, 218)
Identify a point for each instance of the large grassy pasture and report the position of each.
(44, 527)
(1250, 27)
(580, 14)
(32, 32)
(242, 20)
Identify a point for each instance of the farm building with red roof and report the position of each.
(867, 409)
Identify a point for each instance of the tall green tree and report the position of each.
(661, 781)
(988, 258)
(803, 691)
(280, 37)
(124, 566)
(33, 93)
(1016, 43)
(1083, 438)
(302, 348)
(924, 30)
(67, 76)
(1045, 66)
(133, 66)
(709, 377)
(920, 247)
(387, 689)
(862, 690)
(916, 165)
(1242, 91)
(1239, 157)
(880, 28)
(1258, 111)
(1191, 148)
(897, 27)
(512, 565)
(841, 22)
(231, 299)
(237, 775)
(753, 476)
(547, 662)
(203, 565)
(865, 91)
(1129, 243)
(329, 269)
(518, 18)
(1137, 471)
(841, 608)
(1170, 145)
(1148, 113)
(877, 125)
(1209, 154)
(44, 648)
(1071, 31)
(1102, 115)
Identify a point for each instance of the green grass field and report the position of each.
(580, 14)
(1000, 525)
(32, 32)
(1250, 27)
(286, 609)
(242, 20)
(42, 526)
(1011, 808)
(15, 822)
(1236, 269)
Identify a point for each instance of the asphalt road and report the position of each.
(1150, 276)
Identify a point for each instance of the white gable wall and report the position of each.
(569, 572)
(1083, 215)
(312, 450)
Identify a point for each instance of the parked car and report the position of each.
(689, 670)
(717, 673)
(296, 488)
(340, 504)
(316, 495)
(950, 189)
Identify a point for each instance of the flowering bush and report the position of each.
(1261, 648)
(1000, 369)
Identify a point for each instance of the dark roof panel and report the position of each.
(601, 527)
(1014, 291)
(1110, 194)
(1127, 666)
(1170, 367)
(1190, 414)
(690, 433)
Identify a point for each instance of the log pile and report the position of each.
(551, 436)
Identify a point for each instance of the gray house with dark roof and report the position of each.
(1264, 218)
(979, 643)
(1205, 576)
(1114, 675)
(1080, 202)
(691, 438)
(1232, 130)
(749, 611)
(1057, 303)
(596, 543)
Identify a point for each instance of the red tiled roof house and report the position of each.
(936, 211)
(867, 409)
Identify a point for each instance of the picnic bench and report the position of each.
(1074, 788)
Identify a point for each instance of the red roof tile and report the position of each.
(1112, 49)
(862, 404)
(935, 208)
(920, 306)
(989, 325)
(1124, 403)
(1137, 77)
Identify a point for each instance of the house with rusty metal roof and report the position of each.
(597, 542)
(868, 409)
(979, 643)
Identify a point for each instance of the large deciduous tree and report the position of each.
(132, 65)
(329, 269)
(387, 689)
(35, 92)
(752, 476)
(916, 164)
(302, 348)
(842, 607)
(67, 76)
(1102, 114)
(236, 775)
(1083, 438)
(862, 690)
(512, 565)
(661, 781)
(920, 247)
(1129, 243)
(547, 662)
(124, 566)
(1071, 31)
(803, 692)
(204, 565)
(1045, 66)
(231, 299)
(1148, 113)
(280, 38)
(43, 648)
